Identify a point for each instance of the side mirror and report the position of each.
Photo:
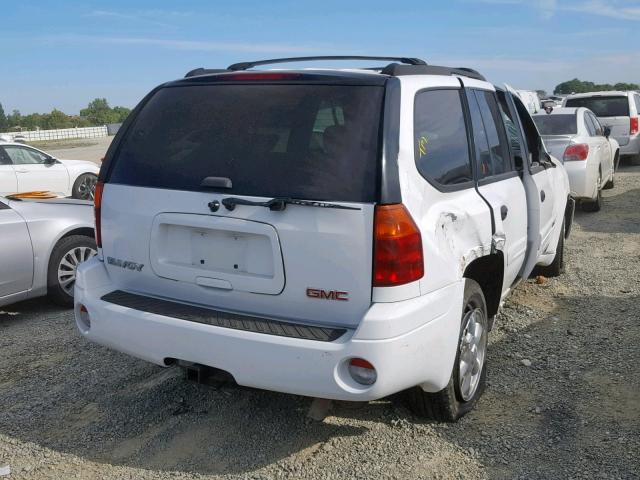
(50, 161)
(606, 131)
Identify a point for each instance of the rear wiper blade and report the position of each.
(278, 204)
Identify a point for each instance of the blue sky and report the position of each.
(63, 54)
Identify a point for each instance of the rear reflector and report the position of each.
(397, 256)
(362, 371)
(97, 204)
(579, 151)
(633, 125)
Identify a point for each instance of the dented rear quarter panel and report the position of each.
(455, 225)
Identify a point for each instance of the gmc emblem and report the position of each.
(327, 294)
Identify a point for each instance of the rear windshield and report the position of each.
(315, 142)
(560, 124)
(602, 106)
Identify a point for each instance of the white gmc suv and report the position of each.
(340, 234)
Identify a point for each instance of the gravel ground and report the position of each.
(562, 400)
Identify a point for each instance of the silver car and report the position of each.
(617, 110)
(42, 243)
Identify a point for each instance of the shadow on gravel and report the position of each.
(575, 412)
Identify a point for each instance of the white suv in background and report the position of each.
(341, 234)
(619, 111)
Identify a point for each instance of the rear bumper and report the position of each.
(424, 355)
(582, 178)
(631, 148)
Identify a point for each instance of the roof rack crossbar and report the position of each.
(248, 65)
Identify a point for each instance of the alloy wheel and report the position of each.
(87, 187)
(69, 264)
(473, 347)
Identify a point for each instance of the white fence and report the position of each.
(60, 134)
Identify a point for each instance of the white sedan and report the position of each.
(589, 153)
(25, 169)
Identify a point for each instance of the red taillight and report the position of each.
(579, 151)
(397, 255)
(633, 125)
(97, 204)
(257, 77)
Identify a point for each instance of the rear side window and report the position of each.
(597, 129)
(591, 128)
(315, 142)
(636, 98)
(489, 138)
(602, 106)
(440, 138)
(556, 124)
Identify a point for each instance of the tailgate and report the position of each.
(303, 263)
(620, 127)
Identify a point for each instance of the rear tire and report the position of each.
(596, 204)
(61, 276)
(84, 187)
(557, 266)
(459, 398)
(611, 183)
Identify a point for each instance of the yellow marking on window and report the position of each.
(422, 146)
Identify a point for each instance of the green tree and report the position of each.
(56, 119)
(580, 86)
(121, 113)
(14, 119)
(98, 112)
(3, 120)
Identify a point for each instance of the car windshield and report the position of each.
(559, 124)
(602, 106)
(306, 141)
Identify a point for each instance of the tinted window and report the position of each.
(440, 137)
(602, 106)
(591, 128)
(556, 124)
(596, 124)
(304, 141)
(4, 158)
(496, 160)
(637, 100)
(512, 130)
(24, 156)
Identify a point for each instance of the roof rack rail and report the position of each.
(204, 71)
(248, 65)
(397, 70)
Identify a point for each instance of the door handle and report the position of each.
(504, 211)
(22, 171)
(542, 195)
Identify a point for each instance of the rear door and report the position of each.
(537, 177)
(16, 255)
(600, 145)
(498, 180)
(611, 110)
(34, 173)
(185, 187)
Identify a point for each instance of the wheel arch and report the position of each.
(488, 272)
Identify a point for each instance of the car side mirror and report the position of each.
(50, 161)
(606, 131)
